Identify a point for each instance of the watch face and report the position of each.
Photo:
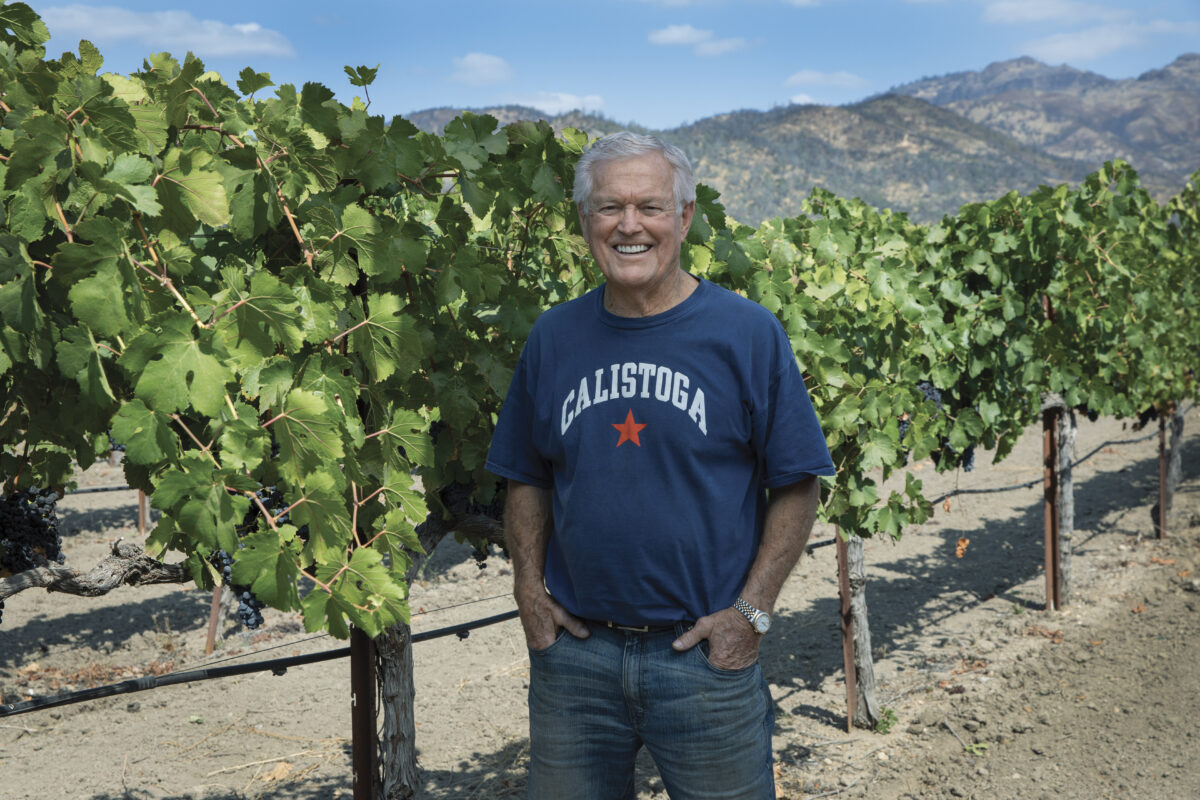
(762, 623)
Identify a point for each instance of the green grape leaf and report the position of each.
(244, 444)
(268, 563)
(388, 340)
(147, 437)
(191, 189)
(79, 358)
(211, 515)
(26, 26)
(361, 76)
(250, 81)
(308, 435)
(410, 431)
(176, 369)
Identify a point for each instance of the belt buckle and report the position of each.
(630, 628)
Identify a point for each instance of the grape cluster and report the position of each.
(113, 445)
(931, 394)
(458, 498)
(272, 500)
(1146, 417)
(28, 532)
(249, 607)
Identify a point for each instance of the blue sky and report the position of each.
(659, 63)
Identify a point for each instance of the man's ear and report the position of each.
(685, 221)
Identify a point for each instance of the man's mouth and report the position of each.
(632, 249)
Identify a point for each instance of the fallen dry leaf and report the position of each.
(1037, 630)
(281, 771)
(968, 666)
(946, 505)
(1139, 608)
(1163, 561)
(961, 549)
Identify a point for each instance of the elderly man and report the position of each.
(662, 455)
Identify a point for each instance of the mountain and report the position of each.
(1152, 121)
(893, 152)
(928, 147)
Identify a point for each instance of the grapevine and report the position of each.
(300, 319)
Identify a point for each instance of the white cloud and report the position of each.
(702, 42)
(1082, 46)
(836, 80)
(481, 69)
(803, 100)
(561, 102)
(173, 31)
(719, 47)
(679, 34)
(1019, 12)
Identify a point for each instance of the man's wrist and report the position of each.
(760, 621)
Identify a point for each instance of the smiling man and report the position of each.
(661, 455)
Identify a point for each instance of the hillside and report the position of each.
(893, 152)
(928, 147)
(1152, 121)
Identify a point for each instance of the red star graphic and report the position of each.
(629, 430)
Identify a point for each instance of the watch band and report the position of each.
(759, 620)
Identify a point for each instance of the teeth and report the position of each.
(631, 249)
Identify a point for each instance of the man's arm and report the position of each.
(791, 511)
(528, 520)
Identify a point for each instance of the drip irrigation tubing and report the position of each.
(278, 666)
(94, 489)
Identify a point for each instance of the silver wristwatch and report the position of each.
(759, 620)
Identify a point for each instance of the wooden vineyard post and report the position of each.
(848, 660)
(1174, 457)
(214, 613)
(862, 707)
(1050, 484)
(1067, 431)
(1162, 475)
(362, 715)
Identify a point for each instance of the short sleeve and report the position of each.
(794, 445)
(513, 453)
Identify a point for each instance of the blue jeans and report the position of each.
(594, 702)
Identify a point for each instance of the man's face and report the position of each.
(631, 226)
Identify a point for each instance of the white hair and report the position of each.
(626, 144)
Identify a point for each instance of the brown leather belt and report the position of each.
(635, 628)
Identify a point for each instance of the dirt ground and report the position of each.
(994, 697)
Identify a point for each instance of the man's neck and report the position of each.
(658, 299)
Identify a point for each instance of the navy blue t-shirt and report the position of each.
(658, 437)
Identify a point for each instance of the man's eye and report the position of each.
(651, 211)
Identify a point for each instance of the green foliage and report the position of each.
(250, 291)
(887, 720)
(281, 290)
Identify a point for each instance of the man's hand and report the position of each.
(732, 643)
(542, 616)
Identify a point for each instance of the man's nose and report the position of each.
(630, 220)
